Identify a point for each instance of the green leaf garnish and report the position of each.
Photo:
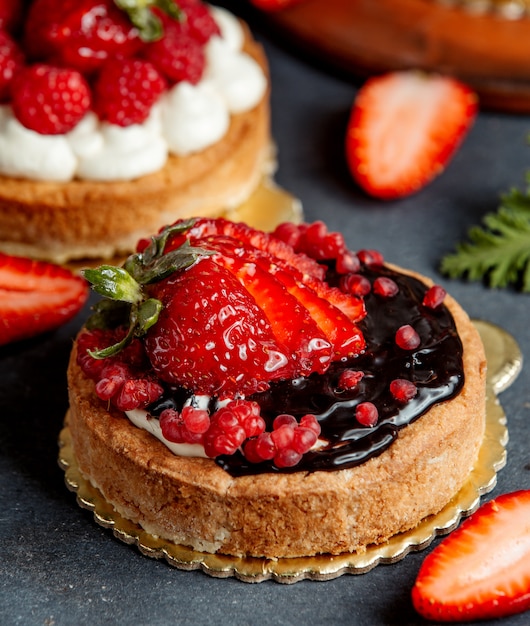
(127, 301)
(498, 252)
(148, 24)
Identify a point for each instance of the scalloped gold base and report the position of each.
(504, 364)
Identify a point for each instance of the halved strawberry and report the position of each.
(404, 128)
(36, 297)
(291, 322)
(482, 570)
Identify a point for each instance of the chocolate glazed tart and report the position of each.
(197, 503)
(486, 44)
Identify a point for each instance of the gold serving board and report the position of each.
(504, 364)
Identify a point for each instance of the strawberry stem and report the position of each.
(127, 303)
(148, 23)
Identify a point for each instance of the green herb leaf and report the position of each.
(498, 252)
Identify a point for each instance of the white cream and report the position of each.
(142, 419)
(187, 119)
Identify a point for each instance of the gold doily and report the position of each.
(504, 363)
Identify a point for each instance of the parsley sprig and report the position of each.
(499, 251)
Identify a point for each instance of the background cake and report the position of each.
(201, 147)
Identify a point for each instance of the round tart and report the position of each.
(362, 481)
(91, 218)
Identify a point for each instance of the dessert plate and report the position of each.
(504, 364)
(485, 43)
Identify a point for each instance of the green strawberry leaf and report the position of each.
(126, 302)
(148, 23)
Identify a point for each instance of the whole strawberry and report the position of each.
(125, 91)
(11, 61)
(49, 100)
(79, 34)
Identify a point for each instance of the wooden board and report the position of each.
(488, 51)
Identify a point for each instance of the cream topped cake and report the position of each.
(109, 130)
(273, 395)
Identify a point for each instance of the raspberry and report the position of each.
(403, 390)
(187, 427)
(370, 257)
(49, 100)
(434, 297)
(79, 34)
(355, 284)
(231, 425)
(113, 377)
(11, 61)
(199, 21)
(407, 338)
(349, 379)
(366, 414)
(178, 56)
(197, 421)
(172, 426)
(385, 287)
(137, 394)
(126, 90)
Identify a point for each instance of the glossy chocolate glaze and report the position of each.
(435, 367)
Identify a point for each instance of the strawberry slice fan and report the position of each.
(486, 49)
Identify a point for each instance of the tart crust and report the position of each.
(192, 501)
(90, 219)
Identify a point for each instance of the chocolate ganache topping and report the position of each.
(435, 367)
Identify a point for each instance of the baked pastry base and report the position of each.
(504, 363)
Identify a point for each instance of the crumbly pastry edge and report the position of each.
(194, 502)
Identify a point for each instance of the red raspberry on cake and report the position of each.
(80, 34)
(11, 62)
(50, 100)
(126, 90)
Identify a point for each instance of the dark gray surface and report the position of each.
(58, 567)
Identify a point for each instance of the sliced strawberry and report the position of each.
(346, 339)
(403, 130)
(324, 304)
(482, 570)
(211, 336)
(257, 239)
(291, 323)
(36, 297)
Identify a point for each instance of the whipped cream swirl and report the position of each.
(188, 118)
